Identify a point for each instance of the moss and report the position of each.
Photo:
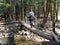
(5, 38)
(22, 41)
(28, 43)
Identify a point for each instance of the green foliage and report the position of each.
(4, 8)
(22, 7)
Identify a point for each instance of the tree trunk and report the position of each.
(16, 12)
(38, 12)
(46, 13)
(53, 24)
(24, 9)
(51, 12)
(57, 8)
(54, 14)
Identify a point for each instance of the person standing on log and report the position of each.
(31, 18)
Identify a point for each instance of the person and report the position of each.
(31, 18)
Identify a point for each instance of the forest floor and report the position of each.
(57, 30)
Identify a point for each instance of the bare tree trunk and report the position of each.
(54, 14)
(46, 13)
(53, 24)
(57, 8)
(51, 12)
(24, 10)
(38, 12)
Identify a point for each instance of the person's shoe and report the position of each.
(31, 26)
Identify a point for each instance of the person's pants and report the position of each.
(31, 23)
